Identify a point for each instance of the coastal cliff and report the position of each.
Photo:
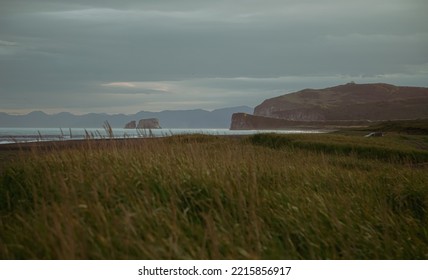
(242, 121)
(344, 105)
(348, 102)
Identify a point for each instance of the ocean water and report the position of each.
(20, 135)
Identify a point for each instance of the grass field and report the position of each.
(265, 196)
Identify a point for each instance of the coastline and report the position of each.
(39, 135)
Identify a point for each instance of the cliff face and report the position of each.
(242, 121)
(148, 123)
(348, 102)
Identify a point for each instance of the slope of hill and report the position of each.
(348, 102)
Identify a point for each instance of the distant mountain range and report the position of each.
(349, 103)
(198, 118)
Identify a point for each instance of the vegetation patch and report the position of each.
(200, 197)
(383, 149)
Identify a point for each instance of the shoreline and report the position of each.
(41, 139)
(73, 143)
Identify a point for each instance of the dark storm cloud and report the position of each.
(55, 54)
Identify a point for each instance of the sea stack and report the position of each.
(131, 125)
(152, 123)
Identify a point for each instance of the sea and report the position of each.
(22, 135)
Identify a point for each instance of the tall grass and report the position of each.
(208, 197)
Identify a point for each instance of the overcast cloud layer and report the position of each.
(127, 56)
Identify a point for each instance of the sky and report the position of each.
(126, 56)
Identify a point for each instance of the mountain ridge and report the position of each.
(195, 118)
